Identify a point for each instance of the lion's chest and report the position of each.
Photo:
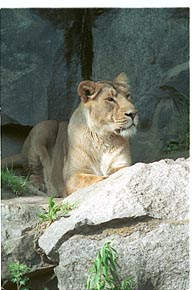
(108, 161)
(108, 155)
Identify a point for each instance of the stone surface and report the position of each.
(157, 259)
(144, 209)
(19, 217)
(35, 74)
(27, 53)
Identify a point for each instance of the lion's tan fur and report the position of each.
(63, 158)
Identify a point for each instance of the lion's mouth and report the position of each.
(118, 131)
(127, 128)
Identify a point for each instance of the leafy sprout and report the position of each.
(103, 274)
(18, 273)
(55, 210)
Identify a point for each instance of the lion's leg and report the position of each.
(35, 170)
(81, 180)
(38, 181)
(45, 164)
(36, 175)
(42, 153)
(39, 164)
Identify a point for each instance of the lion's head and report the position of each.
(108, 106)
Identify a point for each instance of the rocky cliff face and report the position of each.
(45, 53)
(144, 210)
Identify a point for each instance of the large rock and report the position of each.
(35, 73)
(156, 256)
(28, 49)
(144, 209)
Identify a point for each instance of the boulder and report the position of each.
(35, 75)
(19, 234)
(144, 210)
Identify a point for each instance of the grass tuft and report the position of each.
(17, 184)
(55, 211)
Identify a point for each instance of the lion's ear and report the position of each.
(122, 81)
(121, 78)
(86, 89)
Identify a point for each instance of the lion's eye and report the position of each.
(128, 96)
(110, 99)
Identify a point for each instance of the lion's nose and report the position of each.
(131, 115)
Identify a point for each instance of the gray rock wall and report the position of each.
(28, 47)
(35, 72)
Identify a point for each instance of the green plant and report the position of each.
(179, 106)
(18, 184)
(18, 273)
(55, 210)
(103, 274)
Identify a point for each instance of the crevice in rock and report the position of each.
(120, 226)
(19, 131)
(87, 228)
(13, 132)
(148, 286)
(119, 223)
(77, 24)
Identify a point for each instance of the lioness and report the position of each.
(64, 157)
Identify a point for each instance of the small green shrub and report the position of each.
(103, 274)
(55, 210)
(180, 110)
(181, 144)
(17, 184)
(18, 273)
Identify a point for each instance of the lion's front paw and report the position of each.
(38, 182)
